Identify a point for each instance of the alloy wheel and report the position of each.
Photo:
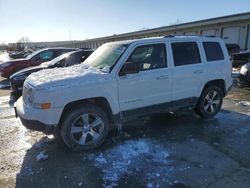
(87, 129)
(211, 102)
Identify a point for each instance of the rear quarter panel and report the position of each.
(218, 70)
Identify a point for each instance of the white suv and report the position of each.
(123, 80)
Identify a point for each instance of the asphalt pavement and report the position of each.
(166, 150)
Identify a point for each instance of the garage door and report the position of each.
(178, 33)
(191, 33)
(210, 32)
(231, 35)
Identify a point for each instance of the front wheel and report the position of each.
(209, 103)
(85, 127)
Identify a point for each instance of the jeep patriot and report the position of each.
(123, 80)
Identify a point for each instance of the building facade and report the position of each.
(38, 45)
(232, 29)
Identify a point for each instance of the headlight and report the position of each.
(20, 77)
(243, 70)
(28, 96)
(5, 65)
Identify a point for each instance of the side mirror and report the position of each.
(129, 68)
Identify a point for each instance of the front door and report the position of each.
(152, 85)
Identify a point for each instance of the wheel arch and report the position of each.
(101, 102)
(219, 83)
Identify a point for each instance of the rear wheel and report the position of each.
(85, 127)
(210, 101)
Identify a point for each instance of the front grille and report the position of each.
(25, 93)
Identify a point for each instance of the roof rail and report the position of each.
(172, 36)
(212, 36)
(169, 36)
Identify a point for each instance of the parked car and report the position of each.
(10, 67)
(244, 77)
(64, 60)
(233, 48)
(20, 54)
(124, 80)
(241, 58)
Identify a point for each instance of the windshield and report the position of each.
(33, 54)
(106, 56)
(57, 59)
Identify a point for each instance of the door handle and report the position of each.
(162, 77)
(198, 72)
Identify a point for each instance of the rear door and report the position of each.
(188, 70)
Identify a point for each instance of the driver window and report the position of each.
(149, 57)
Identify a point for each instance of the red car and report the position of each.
(10, 67)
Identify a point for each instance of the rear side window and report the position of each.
(185, 53)
(59, 52)
(46, 56)
(213, 51)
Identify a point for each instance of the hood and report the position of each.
(64, 77)
(28, 71)
(242, 52)
(11, 62)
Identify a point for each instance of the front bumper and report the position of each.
(37, 119)
(38, 126)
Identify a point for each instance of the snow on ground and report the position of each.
(244, 103)
(4, 99)
(4, 57)
(121, 160)
(4, 103)
(42, 156)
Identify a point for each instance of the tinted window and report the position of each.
(71, 60)
(75, 58)
(59, 52)
(47, 55)
(85, 55)
(185, 53)
(149, 57)
(213, 51)
(233, 48)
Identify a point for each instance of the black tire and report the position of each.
(71, 139)
(203, 105)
